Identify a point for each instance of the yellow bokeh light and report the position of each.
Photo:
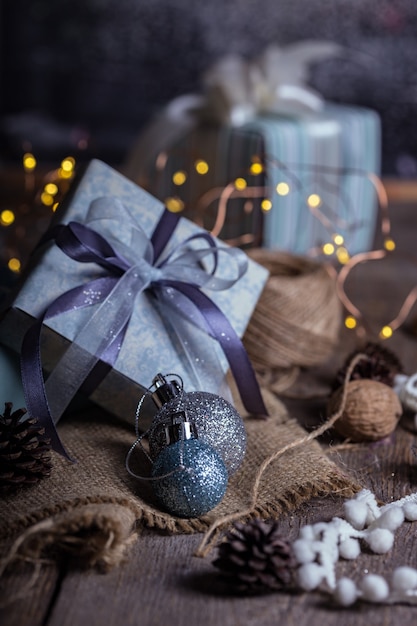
(256, 168)
(240, 183)
(328, 248)
(338, 239)
(7, 217)
(283, 189)
(266, 204)
(179, 178)
(68, 164)
(65, 173)
(29, 162)
(314, 200)
(47, 199)
(350, 322)
(175, 205)
(51, 188)
(201, 166)
(386, 332)
(342, 255)
(389, 245)
(55, 206)
(14, 264)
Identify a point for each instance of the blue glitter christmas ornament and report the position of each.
(196, 441)
(191, 478)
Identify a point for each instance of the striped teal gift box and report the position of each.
(278, 181)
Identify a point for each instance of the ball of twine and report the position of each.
(296, 321)
(372, 410)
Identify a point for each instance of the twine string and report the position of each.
(296, 322)
(212, 533)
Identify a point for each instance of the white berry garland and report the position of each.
(320, 545)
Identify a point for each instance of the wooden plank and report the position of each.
(26, 595)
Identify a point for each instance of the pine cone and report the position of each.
(256, 557)
(25, 453)
(381, 366)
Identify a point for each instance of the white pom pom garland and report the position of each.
(374, 588)
(345, 593)
(380, 540)
(404, 579)
(349, 549)
(321, 545)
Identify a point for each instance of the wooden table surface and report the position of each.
(162, 582)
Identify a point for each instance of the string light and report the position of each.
(266, 204)
(14, 265)
(201, 167)
(343, 255)
(314, 200)
(7, 217)
(29, 162)
(386, 332)
(67, 168)
(282, 189)
(175, 205)
(240, 183)
(179, 178)
(338, 239)
(47, 199)
(51, 188)
(350, 322)
(328, 249)
(256, 168)
(389, 244)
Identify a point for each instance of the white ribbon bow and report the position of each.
(237, 90)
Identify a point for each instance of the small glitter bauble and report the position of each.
(192, 478)
(217, 421)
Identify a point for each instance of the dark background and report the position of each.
(84, 76)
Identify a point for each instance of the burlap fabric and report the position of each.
(93, 508)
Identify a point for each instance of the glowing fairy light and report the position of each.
(67, 168)
(51, 188)
(179, 178)
(29, 162)
(47, 199)
(55, 206)
(256, 169)
(14, 264)
(314, 200)
(175, 205)
(7, 217)
(201, 167)
(328, 249)
(282, 189)
(266, 204)
(343, 255)
(338, 239)
(240, 184)
(350, 322)
(386, 332)
(389, 244)
(68, 164)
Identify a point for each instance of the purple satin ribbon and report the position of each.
(85, 245)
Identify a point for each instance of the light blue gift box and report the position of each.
(149, 346)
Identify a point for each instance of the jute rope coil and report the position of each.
(296, 321)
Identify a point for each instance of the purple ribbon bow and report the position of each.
(129, 269)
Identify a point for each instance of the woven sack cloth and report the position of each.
(93, 508)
